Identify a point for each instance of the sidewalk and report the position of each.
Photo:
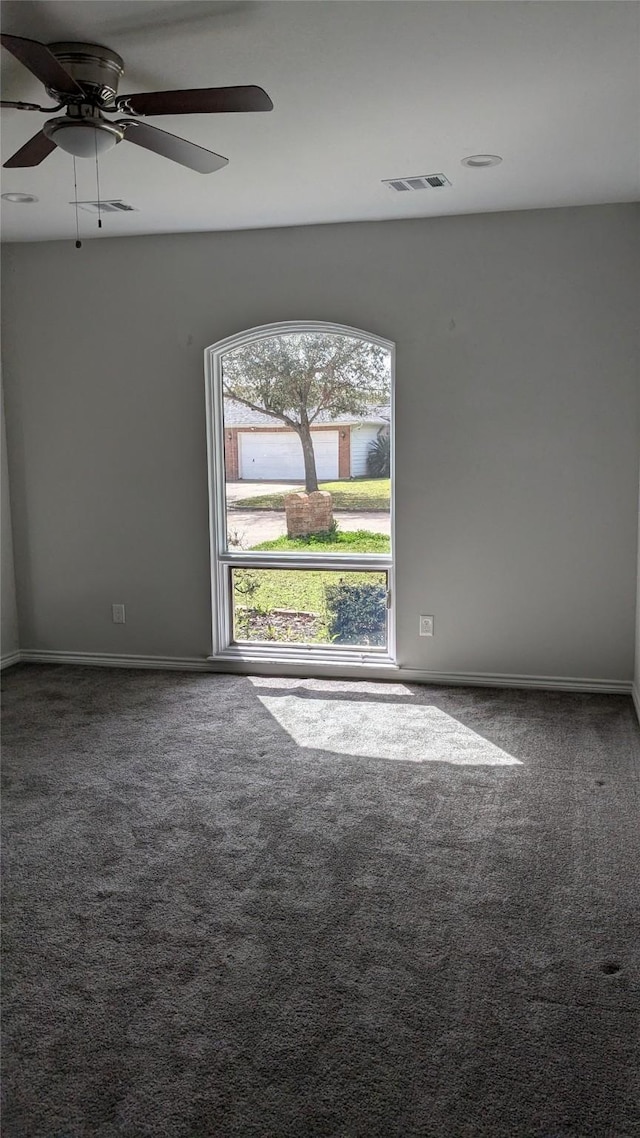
(255, 526)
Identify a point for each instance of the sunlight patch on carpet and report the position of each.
(383, 731)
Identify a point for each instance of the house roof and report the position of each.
(237, 415)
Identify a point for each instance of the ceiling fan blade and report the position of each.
(32, 153)
(170, 146)
(42, 63)
(203, 100)
(23, 106)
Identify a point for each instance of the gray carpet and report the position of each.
(283, 909)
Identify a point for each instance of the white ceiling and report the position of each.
(362, 91)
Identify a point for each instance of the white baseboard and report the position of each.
(499, 680)
(9, 659)
(107, 660)
(249, 666)
(635, 694)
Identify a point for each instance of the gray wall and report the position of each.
(636, 675)
(517, 427)
(9, 639)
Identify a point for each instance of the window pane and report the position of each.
(309, 606)
(271, 456)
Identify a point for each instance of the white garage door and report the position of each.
(278, 457)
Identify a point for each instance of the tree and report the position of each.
(300, 376)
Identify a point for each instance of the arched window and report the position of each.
(300, 444)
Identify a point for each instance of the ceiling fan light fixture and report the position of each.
(81, 137)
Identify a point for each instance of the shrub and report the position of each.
(357, 614)
(379, 456)
(246, 585)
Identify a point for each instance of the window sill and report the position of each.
(333, 659)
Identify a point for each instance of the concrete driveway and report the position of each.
(237, 490)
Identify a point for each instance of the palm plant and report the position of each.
(379, 456)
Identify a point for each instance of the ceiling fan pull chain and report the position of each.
(98, 182)
(75, 200)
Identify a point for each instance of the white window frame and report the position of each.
(223, 561)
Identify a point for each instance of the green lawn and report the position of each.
(301, 590)
(360, 541)
(350, 494)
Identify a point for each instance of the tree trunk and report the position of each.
(310, 476)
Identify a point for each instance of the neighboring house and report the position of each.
(257, 447)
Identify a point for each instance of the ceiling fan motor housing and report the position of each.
(96, 69)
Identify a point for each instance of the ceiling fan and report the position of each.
(83, 79)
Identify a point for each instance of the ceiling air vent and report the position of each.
(117, 206)
(421, 182)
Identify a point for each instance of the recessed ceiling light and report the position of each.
(478, 160)
(23, 199)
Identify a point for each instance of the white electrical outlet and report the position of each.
(117, 614)
(426, 626)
